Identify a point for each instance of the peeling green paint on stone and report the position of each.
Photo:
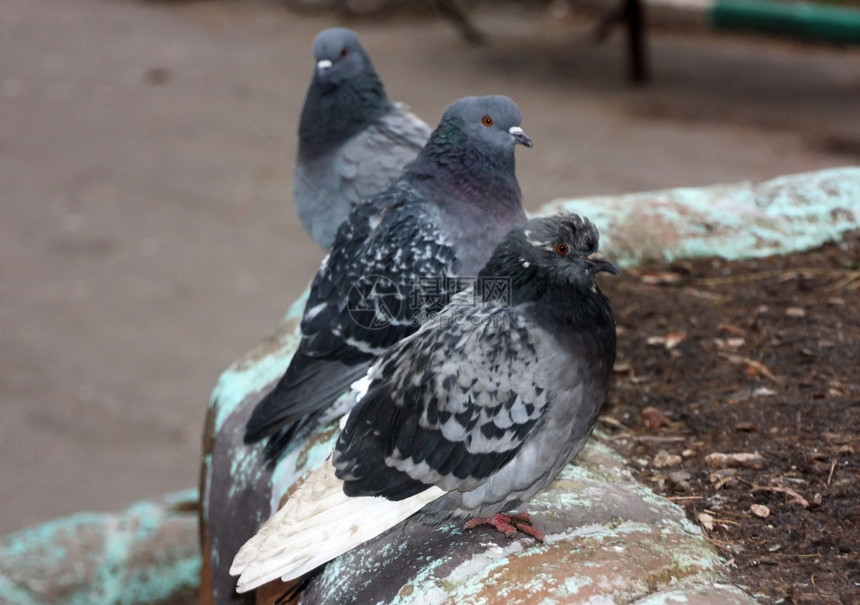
(585, 551)
(744, 220)
(259, 367)
(145, 555)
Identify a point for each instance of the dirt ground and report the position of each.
(148, 237)
(737, 395)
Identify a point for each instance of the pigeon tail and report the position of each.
(300, 395)
(318, 523)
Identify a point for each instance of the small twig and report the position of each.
(786, 274)
(610, 421)
(461, 21)
(719, 543)
(832, 468)
(734, 514)
(705, 295)
(850, 281)
(657, 438)
(792, 496)
(752, 363)
(726, 521)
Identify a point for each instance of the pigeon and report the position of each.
(352, 139)
(468, 417)
(396, 259)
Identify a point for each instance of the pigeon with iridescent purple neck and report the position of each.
(441, 219)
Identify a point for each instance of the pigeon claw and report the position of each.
(509, 524)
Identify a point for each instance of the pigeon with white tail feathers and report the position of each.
(468, 417)
(439, 220)
(352, 139)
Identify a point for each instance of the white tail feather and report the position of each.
(318, 523)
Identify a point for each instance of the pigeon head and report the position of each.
(340, 56)
(491, 123)
(549, 253)
(345, 94)
(471, 153)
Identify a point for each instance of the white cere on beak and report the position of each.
(520, 136)
(323, 65)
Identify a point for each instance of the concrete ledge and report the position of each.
(609, 540)
(742, 220)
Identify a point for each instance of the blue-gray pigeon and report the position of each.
(468, 417)
(394, 260)
(352, 139)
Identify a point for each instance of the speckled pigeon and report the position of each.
(394, 259)
(352, 139)
(470, 416)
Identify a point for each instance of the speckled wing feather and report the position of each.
(371, 159)
(448, 406)
(360, 300)
(360, 304)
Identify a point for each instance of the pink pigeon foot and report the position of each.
(509, 524)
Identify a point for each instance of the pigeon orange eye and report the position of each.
(562, 249)
(487, 121)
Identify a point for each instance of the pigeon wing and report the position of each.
(362, 300)
(360, 304)
(448, 406)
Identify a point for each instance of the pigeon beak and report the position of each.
(601, 264)
(323, 65)
(520, 136)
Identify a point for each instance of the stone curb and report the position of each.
(609, 539)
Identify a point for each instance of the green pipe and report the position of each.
(802, 19)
